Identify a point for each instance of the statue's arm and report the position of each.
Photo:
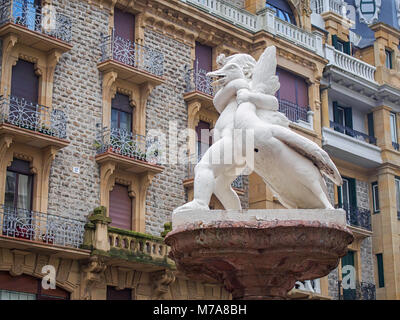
(261, 100)
(223, 96)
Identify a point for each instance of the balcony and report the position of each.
(21, 228)
(322, 6)
(358, 217)
(131, 152)
(349, 66)
(300, 115)
(125, 247)
(351, 146)
(133, 62)
(263, 20)
(32, 124)
(198, 86)
(36, 27)
(363, 291)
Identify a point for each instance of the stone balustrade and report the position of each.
(336, 6)
(137, 243)
(263, 20)
(349, 64)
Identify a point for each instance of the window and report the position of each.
(371, 130)
(393, 127)
(340, 45)
(204, 138)
(282, 9)
(347, 199)
(15, 295)
(389, 59)
(294, 89)
(121, 113)
(343, 119)
(25, 13)
(19, 180)
(375, 196)
(203, 57)
(124, 25)
(381, 276)
(397, 183)
(367, 6)
(120, 206)
(114, 294)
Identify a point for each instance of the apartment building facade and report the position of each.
(88, 185)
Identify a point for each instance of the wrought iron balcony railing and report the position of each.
(357, 217)
(362, 291)
(27, 115)
(33, 17)
(128, 144)
(42, 227)
(196, 80)
(114, 47)
(292, 111)
(352, 133)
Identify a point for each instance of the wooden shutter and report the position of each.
(203, 55)
(381, 275)
(121, 102)
(335, 41)
(120, 207)
(348, 117)
(348, 294)
(114, 294)
(347, 47)
(371, 131)
(293, 88)
(124, 25)
(352, 192)
(24, 81)
(335, 112)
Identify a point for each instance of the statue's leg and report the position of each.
(225, 193)
(210, 166)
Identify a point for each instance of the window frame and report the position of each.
(375, 197)
(389, 59)
(393, 127)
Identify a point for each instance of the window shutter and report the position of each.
(352, 192)
(347, 47)
(371, 131)
(348, 260)
(335, 41)
(340, 200)
(335, 112)
(120, 207)
(203, 56)
(348, 118)
(381, 275)
(124, 25)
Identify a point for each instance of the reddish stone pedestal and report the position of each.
(258, 254)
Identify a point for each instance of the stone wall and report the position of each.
(166, 107)
(362, 194)
(333, 290)
(77, 90)
(367, 262)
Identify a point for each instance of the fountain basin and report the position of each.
(258, 254)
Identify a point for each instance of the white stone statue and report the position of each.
(291, 165)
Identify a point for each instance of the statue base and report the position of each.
(258, 254)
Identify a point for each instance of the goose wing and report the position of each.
(310, 150)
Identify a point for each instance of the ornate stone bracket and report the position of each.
(161, 280)
(91, 275)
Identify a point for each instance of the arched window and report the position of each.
(283, 10)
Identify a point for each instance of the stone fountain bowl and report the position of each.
(258, 254)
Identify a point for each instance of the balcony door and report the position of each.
(24, 95)
(28, 13)
(124, 25)
(203, 56)
(121, 113)
(18, 200)
(204, 138)
(120, 207)
(343, 119)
